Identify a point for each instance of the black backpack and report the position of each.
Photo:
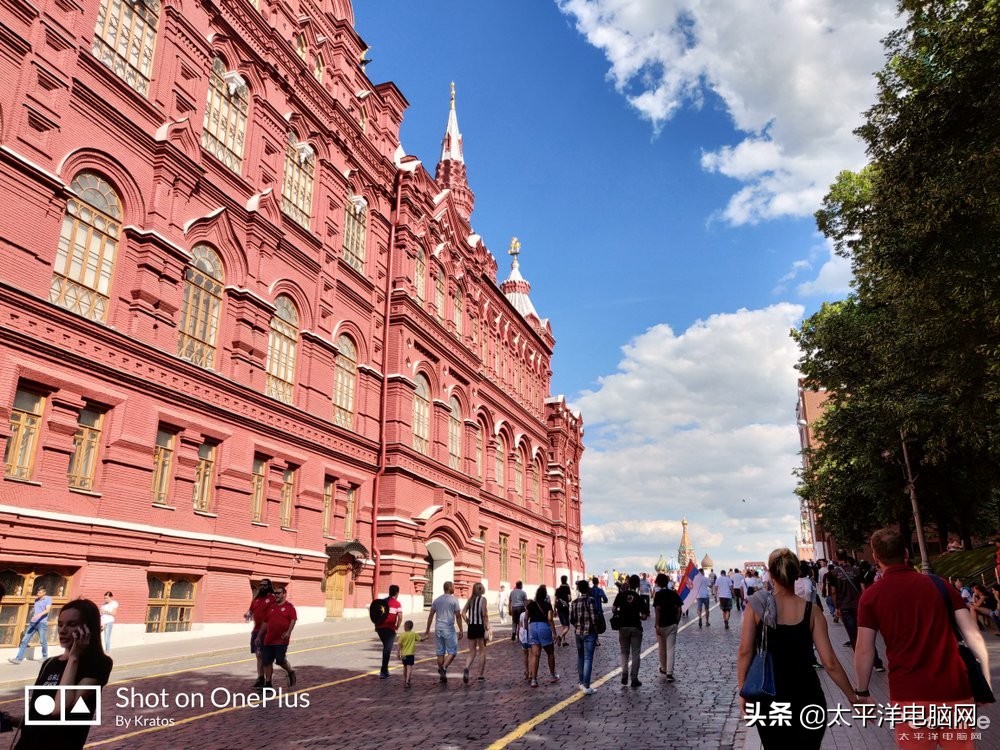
(378, 610)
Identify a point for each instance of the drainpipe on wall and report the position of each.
(383, 397)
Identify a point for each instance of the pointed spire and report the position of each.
(516, 287)
(685, 552)
(450, 173)
(451, 146)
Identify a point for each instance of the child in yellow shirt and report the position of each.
(408, 650)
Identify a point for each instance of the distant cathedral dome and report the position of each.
(672, 565)
(661, 565)
(706, 562)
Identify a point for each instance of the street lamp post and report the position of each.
(925, 561)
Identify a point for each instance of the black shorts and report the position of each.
(409, 660)
(725, 603)
(274, 653)
(563, 616)
(477, 632)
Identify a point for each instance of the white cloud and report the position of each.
(794, 78)
(697, 425)
(833, 280)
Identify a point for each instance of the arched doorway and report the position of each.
(440, 568)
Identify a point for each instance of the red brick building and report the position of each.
(242, 334)
(812, 541)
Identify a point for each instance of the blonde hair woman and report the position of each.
(477, 615)
(793, 626)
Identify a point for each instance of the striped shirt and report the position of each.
(476, 611)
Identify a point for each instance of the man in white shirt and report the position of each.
(724, 593)
(739, 589)
(703, 593)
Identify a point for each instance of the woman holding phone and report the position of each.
(83, 662)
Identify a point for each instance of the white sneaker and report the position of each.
(588, 691)
(580, 687)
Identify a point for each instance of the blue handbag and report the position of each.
(759, 682)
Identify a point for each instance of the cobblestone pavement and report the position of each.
(339, 701)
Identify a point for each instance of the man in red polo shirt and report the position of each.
(275, 634)
(924, 664)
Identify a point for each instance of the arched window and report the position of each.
(518, 473)
(355, 230)
(454, 434)
(536, 484)
(88, 243)
(345, 376)
(300, 174)
(203, 282)
(479, 449)
(420, 274)
(319, 68)
(124, 39)
(281, 345)
(500, 466)
(458, 311)
(301, 46)
(439, 293)
(225, 128)
(421, 415)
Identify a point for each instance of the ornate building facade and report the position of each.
(811, 540)
(243, 334)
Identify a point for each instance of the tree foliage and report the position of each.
(915, 351)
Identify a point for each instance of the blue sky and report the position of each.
(660, 161)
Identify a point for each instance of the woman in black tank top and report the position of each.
(793, 626)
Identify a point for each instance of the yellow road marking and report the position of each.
(523, 729)
(217, 712)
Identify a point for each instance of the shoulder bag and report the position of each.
(981, 691)
(759, 682)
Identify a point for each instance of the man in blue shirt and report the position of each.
(39, 624)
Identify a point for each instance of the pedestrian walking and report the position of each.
(600, 599)
(846, 595)
(275, 635)
(739, 589)
(791, 627)
(518, 602)
(108, 610)
(521, 626)
(581, 616)
(386, 630)
(631, 610)
(257, 613)
(702, 595)
(724, 594)
(503, 605)
(477, 617)
(541, 630)
(925, 667)
(667, 606)
(563, 595)
(39, 623)
(446, 610)
(82, 663)
(407, 646)
(645, 589)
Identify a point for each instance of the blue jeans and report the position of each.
(388, 637)
(850, 619)
(42, 628)
(585, 656)
(107, 637)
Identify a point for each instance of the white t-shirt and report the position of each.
(804, 588)
(108, 612)
(705, 589)
(522, 628)
(724, 587)
(738, 581)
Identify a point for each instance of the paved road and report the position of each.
(350, 708)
